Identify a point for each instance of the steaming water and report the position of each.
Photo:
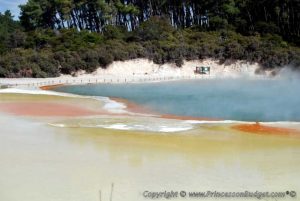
(246, 100)
(45, 163)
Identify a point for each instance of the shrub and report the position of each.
(156, 28)
(114, 32)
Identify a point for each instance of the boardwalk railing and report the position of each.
(39, 82)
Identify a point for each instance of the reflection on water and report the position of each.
(46, 163)
(127, 123)
(41, 162)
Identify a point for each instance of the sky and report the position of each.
(11, 5)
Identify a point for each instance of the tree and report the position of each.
(11, 34)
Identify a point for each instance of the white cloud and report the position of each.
(12, 6)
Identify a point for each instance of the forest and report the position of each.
(63, 36)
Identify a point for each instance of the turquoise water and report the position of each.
(246, 100)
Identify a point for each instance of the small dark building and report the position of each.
(202, 70)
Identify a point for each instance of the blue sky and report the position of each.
(11, 5)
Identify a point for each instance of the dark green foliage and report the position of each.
(65, 36)
(105, 59)
(154, 29)
(245, 16)
(11, 35)
(264, 27)
(218, 23)
(114, 32)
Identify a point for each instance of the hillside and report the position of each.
(55, 37)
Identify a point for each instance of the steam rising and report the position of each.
(247, 100)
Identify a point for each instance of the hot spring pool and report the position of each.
(245, 100)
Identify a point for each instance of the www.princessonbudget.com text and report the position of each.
(216, 194)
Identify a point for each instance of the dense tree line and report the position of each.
(64, 36)
(244, 16)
